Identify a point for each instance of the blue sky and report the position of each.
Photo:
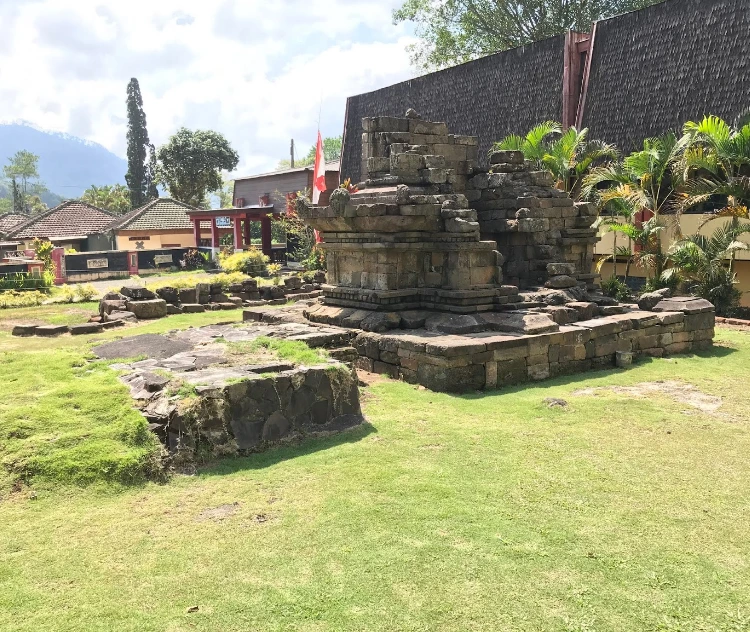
(256, 71)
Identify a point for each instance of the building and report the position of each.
(161, 223)
(70, 225)
(8, 221)
(272, 189)
(632, 76)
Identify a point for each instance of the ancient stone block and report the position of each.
(146, 309)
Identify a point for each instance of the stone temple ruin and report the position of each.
(461, 277)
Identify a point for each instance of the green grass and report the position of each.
(64, 419)
(265, 348)
(480, 512)
(60, 314)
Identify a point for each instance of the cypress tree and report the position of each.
(140, 176)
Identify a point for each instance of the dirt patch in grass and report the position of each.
(217, 514)
(680, 392)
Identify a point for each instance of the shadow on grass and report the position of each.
(284, 452)
(718, 351)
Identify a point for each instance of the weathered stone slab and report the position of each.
(51, 330)
(148, 309)
(86, 328)
(153, 346)
(137, 293)
(684, 304)
(24, 330)
(521, 322)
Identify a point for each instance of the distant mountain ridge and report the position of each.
(68, 165)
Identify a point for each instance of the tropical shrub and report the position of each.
(251, 262)
(194, 259)
(615, 288)
(569, 156)
(79, 293)
(706, 264)
(43, 249)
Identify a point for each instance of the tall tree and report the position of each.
(141, 154)
(22, 173)
(454, 31)
(190, 164)
(331, 151)
(114, 198)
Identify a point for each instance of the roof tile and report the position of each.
(69, 219)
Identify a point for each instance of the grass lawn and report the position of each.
(480, 512)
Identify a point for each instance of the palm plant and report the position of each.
(707, 264)
(644, 184)
(568, 155)
(715, 166)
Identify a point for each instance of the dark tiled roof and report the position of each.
(159, 214)
(656, 68)
(10, 220)
(501, 94)
(69, 219)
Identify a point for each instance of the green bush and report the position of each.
(251, 262)
(25, 281)
(74, 294)
(615, 288)
(10, 299)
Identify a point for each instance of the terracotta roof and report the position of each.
(71, 218)
(11, 220)
(159, 214)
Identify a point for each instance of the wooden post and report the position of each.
(197, 232)
(585, 78)
(248, 237)
(265, 234)
(214, 233)
(237, 226)
(576, 46)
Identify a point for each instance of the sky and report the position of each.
(260, 72)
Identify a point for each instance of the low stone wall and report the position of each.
(251, 414)
(489, 360)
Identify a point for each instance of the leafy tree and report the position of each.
(190, 164)
(22, 174)
(331, 152)
(141, 155)
(454, 31)
(115, 197)
(225, 193)
(568, 155)
(707, 264)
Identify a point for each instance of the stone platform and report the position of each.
(202, 400)
(451, 353)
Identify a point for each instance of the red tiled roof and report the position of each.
(71, 218)
(11, 220)
(159, 214)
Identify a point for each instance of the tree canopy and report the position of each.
(141, 155)
(22, 175)
(331, 151)
(455, 31)
(114, 198)
(191, 162)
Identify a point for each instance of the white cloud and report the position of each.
(254, 70)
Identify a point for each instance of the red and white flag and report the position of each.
(319, 174)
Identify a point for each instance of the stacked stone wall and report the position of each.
(533, 223)
(489, 360)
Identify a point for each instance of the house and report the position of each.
(634, 76)
(161, 223)
(70, 225)
(271, 189)
(10, 220)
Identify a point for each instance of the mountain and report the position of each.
(67, 165)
